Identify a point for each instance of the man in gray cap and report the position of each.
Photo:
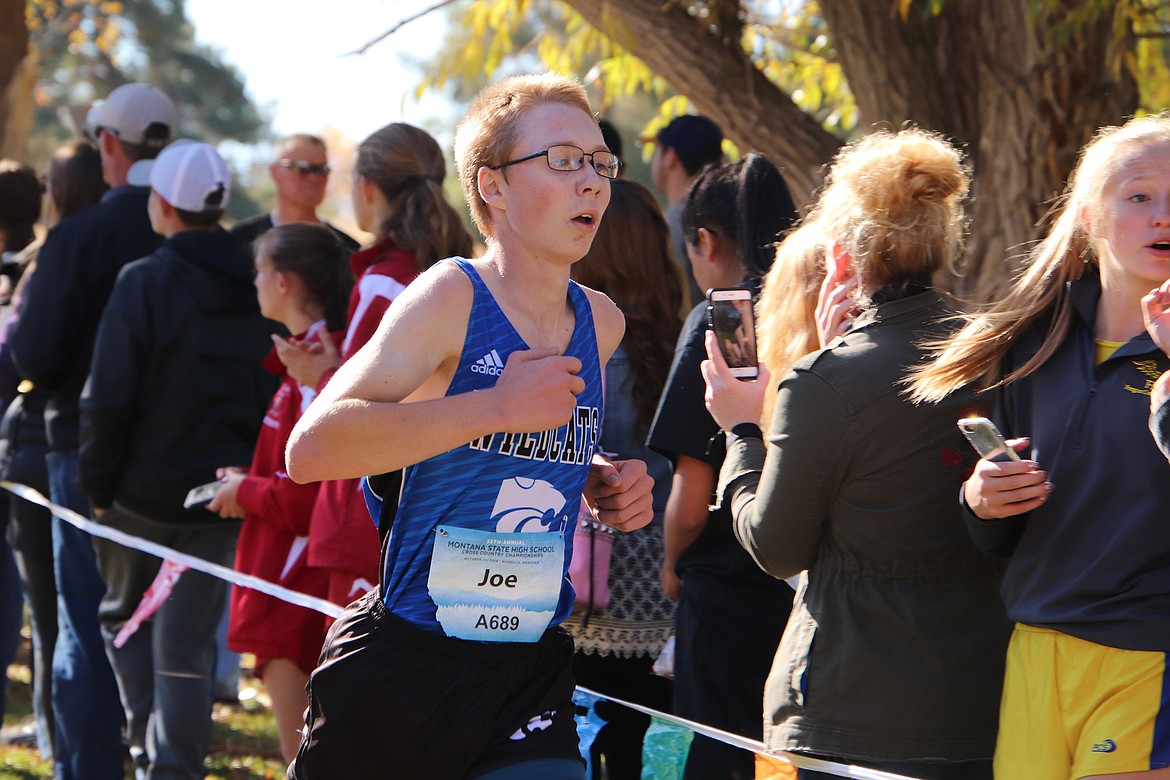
(51, 344)
(681, 150)
(176, 389)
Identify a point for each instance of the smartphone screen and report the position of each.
(730, 316)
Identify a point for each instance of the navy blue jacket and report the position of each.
(53, 340)
(1093, 561)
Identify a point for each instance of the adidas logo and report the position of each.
(489, 364)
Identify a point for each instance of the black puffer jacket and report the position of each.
(176, 387)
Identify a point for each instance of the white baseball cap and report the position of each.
(130, 110)
(188, 175)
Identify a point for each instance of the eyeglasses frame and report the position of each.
(548, 161)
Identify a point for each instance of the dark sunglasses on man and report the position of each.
(304, 167)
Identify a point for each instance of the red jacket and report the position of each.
(343, 536)
(272, 539)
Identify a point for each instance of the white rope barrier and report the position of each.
(332, 610)
(162, 551)
(754, 746)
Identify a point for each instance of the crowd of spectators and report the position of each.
(823, 563)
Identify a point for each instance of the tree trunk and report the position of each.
(989, 75)
(993, 78)
(15, 83)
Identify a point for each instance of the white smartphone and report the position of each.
(986, 439)
(730, 315)
(202, 495)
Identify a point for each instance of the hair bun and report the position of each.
(896, 200)
(906, 172)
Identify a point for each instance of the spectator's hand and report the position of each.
(1156, 313)
(620, 493)
(225, 503)
(671, 584)
(1161, 391)
(732, 349)
(307, 361)
(538, 390)
(731, 401)
(836, 308)
(1000, 489)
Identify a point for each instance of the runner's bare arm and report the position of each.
(385, 408)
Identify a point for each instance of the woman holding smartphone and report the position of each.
(1082, 517)
(893, 654)
(730, 614)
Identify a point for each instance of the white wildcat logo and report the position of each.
(526, 505)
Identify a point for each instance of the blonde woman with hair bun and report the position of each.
(892, 658)
(1074, 356)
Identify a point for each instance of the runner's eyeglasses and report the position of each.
(563, 157)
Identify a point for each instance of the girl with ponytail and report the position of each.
(303, 283)
(1068, 363)
(397, 196)
(729, 614)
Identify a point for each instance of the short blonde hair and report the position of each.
(283, 144)
(486, 135)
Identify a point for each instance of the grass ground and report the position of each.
(243, 737)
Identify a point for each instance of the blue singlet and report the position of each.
(481, 543)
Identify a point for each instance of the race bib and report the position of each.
(495, 587)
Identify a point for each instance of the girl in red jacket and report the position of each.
(397, 196)
(303, 282)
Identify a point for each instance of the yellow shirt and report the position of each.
(1105, 349)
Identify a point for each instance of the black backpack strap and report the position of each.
(388, 488)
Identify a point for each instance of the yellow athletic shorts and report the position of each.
(1073, 708)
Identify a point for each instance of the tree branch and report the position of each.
(374, 41)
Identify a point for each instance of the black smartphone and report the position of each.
(986, 439)
(731, 317)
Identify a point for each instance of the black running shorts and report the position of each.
(391, 701)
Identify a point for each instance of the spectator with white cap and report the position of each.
(176, 389)
(51, 345)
